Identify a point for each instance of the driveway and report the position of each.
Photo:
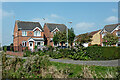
(97, 63)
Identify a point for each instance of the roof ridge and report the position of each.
(113, 24)
(55, 23)
(26, 21)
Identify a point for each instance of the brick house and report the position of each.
(50, 29)
(27, 34)
(112, 28)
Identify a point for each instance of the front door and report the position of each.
(31, 46)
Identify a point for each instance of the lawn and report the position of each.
(88, 71)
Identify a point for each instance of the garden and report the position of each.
(40, 67)
(79, 53)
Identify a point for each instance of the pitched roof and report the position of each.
(90, 33)
(25, 25)
(111, 27)
(94, 32)
(52, 26)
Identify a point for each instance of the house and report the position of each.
(95, 38)
(113, 29)
(27, 34)
(50, 29)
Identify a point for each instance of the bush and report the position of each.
(27, 53)
(5, 48)
(103, 53)
(30, 68)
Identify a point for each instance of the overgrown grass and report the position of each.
(83, 70)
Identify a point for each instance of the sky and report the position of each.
(85, 16)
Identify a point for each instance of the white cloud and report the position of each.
(111, 19)
(4, 13)
(42, 21)
(114, 10)
(84, 27)
(54, 16)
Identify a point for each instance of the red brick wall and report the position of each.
(17, 41)
(48, 35)
(14, 53)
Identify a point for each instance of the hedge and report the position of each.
(103, 53)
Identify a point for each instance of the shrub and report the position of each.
(27, 53)
(103, 53)
(5, 48)
(30, 68)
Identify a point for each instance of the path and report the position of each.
(97, 63)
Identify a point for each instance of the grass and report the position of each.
(95, 71)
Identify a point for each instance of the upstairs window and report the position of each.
(24, 43)
(118, 34)
(37, 33)
(119, 39)
(24, 33)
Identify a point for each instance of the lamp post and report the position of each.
(67, 33)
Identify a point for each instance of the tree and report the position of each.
(56, 38)
(110, 39)
(83, 38)
(62, 37)
(71, 36)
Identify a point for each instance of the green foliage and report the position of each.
(60, 37)
(35, 48)
(79, 54)
(110, 39)
(84, 38)
(71, 36)
(56, 38)
(72, 53)
(11, 47)
(27, 53)
(30, 68)
(81, 71)
(103, 53)
(5, 48)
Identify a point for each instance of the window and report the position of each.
(118, 33)
(16, 34)
(55, 32)
(119, 44)
(37, 33)
(24, 43)
(119, 40)
(24, 33)
(103, 35)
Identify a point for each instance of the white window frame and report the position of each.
(37, 33)
(24, 43)
(118, 33)
(24, 33)
(103, 35)
(41, 43)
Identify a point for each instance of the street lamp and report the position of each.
(67, 33)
